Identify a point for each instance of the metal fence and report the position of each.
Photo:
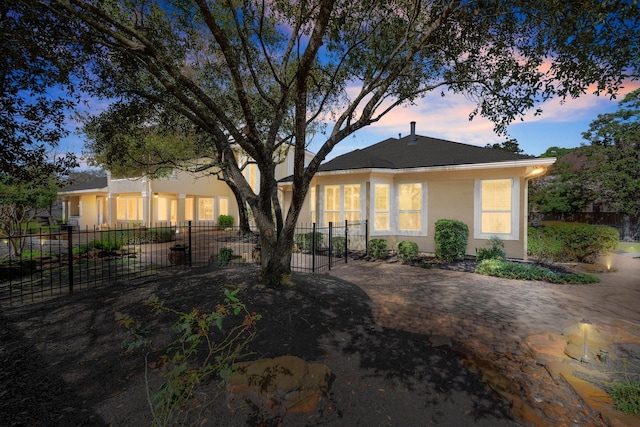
(60, 261)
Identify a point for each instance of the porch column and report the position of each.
(147, 199)
(112, 209)
(181, 208)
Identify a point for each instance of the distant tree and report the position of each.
(612, 160)
(20, 202)
(510, 146)
(256, 75)
(556, 152)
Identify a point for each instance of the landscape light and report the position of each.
(585, 325)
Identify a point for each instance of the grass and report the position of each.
(626, 396)
(517, 271)
(629, 246)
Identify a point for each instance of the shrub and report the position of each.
(378, 248)
(225, 221)
(495, 250)
(224, 256)
(626, 396)
(571, 242)
(451, 239)
(137, 237)
(304, 241)
(514, 270)
(337, 246)
(206, 345)
(407, 251)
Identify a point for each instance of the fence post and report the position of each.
(330, 243)
(189, 250)
(366, 237)
(70, 256)
(346, 244)
(313, 248)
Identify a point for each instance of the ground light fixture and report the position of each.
(585, 326)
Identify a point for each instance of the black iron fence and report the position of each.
(62, 260)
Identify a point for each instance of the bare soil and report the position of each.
(62, 361)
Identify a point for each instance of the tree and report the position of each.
(36, 89)
(256, 75)
(510, 146)
(20, 202)
(612, 160)
(556, 152)
(138, 138)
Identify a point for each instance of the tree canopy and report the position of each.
(611, 163)
(257, 75)
(36, 89)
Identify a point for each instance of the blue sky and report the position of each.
(560, 124)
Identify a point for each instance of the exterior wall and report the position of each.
(446, 195)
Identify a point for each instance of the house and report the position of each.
(403, 186)
(179, 197)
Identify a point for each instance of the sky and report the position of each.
(560, 124)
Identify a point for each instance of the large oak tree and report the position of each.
(257, 74)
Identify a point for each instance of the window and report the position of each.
(352, 202)
(129, 208)
(342, 203)
(312, 201)
(188, 209)
(205, 209)
(496, 209)
(410, 207)
(381, 208)
(331, 204)
(223, 206)
(163, 214)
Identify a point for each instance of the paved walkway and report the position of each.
(492, 316)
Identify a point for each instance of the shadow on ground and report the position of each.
(382, 376)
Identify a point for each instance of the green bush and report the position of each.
(626, 396)
(407, 251)
(495, 250)
(304, 241)
(451, 238)
(137, 237)
(571, 242)
(225, 221)
(337, 246)
(514, 270)
(378, 248)
(224, 256)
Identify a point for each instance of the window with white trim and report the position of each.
(223, 206)
(342, 202)
(205, 209)
(410, 207)
(312, 202)
(331, 204)
(381, 207)
(129, 208)
(352, 202)
(496, 209)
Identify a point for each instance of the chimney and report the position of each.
(412, 139)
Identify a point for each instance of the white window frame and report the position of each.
(340, 209)
(391, 212)
(423, 214)
(515, 211)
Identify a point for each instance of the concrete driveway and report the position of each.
(490, 318)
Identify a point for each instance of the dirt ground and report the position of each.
(62, 362)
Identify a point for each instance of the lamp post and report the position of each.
(585, 325)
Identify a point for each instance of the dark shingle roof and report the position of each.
(402, 153)
(94, 184)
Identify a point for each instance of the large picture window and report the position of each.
(129, 208)
(342, 203)
(410, 207)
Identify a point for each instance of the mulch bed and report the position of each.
(62, 363)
